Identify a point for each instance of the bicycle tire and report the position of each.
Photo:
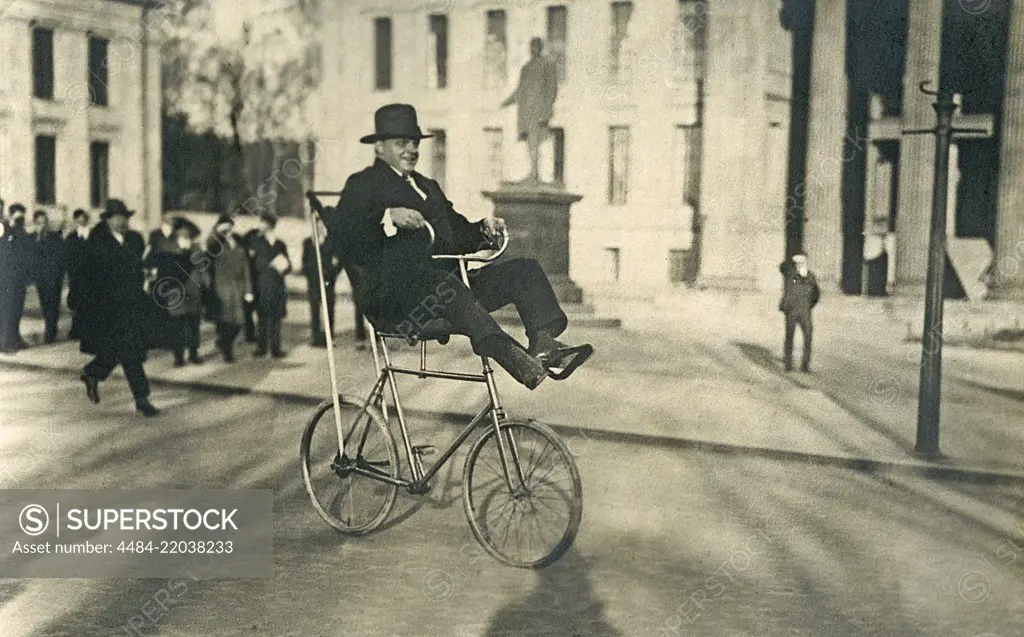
(478, 507)
(382, 458)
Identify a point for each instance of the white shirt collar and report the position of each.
(82, 231)
(119, 236)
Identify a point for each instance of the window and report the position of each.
(42, 63)
(98, 91)
(618, 169)
(611, 264)
(688, 157)
(438, 156)
(437, 65)
(691, 39)
(621, 13)
(496, 51)
(99, 173)
(682, 266)
(558, 17)
(46, 169)
(382, 53)
(558, 140)
(495, 156)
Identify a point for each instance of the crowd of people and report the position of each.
(128, 295)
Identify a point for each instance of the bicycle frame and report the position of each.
(387, 373)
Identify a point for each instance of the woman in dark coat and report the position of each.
(270, 256)
(113, 308)
(182, 275)
(231, 283)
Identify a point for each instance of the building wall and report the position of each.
(743, 93)
(130, 123)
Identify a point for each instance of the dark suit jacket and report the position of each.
(48, 263)
(384, 265)
(272, 293)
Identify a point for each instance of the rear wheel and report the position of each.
(533, 523)
(344, 489)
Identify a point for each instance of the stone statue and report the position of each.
(535, 95)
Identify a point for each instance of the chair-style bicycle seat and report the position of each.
(436, 329)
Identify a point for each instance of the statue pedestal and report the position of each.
(537, 217)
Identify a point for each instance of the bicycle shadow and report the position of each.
(562, 604)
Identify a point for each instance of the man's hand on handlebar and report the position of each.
(407, 218)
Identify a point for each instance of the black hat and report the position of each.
(79, 213)
(394, 121)
(224, 218)
(16, 208)
(181, 223)
(39, 213)
(115, 207)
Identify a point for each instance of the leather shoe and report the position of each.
(545, 348)
(525, 369)
(146, 408)
(92, 388)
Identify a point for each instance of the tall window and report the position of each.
(99, 173)
(691, 39)
(618, 169)
(382, 53)
(437, 66)
(496, 52)
(558, 17)
(495, 156)
(98, 88)
(42, 63)
(687, 164)
(438, 156)
(621, 13)
(46, 169)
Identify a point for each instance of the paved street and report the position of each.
(722, 497)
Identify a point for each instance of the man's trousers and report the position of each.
(520, 282)
(806, 328)
(269, 334)
(104, 363)
(49, 304)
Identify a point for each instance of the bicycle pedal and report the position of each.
(424, 450)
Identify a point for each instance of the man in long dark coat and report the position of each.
(270, 256)
(231, 282)
(379, 222)
(48, 266)
(15, 263)
(115, 312)
(75, 249)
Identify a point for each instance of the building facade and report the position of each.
(708, 138)
(80, 106)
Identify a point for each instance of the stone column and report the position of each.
(917, 152)
(733, 145)
(1009, 254)
(826, 130)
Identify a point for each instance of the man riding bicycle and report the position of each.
(378, 223)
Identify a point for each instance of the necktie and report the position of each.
(412, 183)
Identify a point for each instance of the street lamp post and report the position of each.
(930, 388)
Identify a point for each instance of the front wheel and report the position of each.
(348, 490)
(532, 522)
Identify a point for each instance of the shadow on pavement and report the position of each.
(1004, 392)
(562, 604)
